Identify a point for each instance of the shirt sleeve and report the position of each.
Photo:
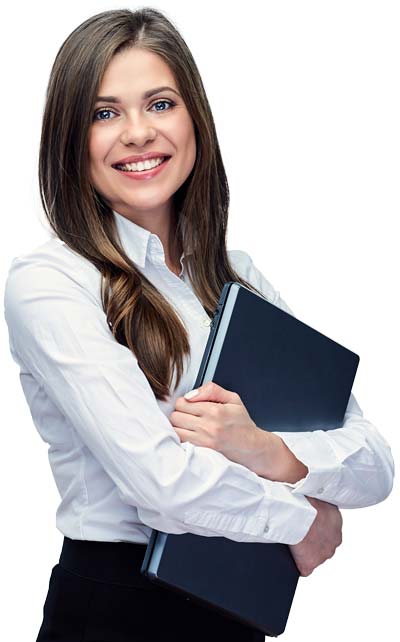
(60, 333)
(351, 466)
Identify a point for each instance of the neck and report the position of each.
(163, 224)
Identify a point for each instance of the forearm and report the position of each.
(288, 468)
(275, 461)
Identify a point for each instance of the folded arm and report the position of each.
(59, 333)
(351, 466)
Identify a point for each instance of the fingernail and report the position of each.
(191, 394)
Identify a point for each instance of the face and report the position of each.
(133, 124)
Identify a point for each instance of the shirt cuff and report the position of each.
(324, 467)
(281, 518)
(289, 516)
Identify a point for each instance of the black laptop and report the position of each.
(290, 377)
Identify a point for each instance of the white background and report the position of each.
(305, 97)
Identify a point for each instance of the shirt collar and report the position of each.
(138, 242)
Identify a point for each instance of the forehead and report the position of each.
(135, 70)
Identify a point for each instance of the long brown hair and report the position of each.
(136, 312)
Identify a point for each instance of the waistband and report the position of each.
(109, 562)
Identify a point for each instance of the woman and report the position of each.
(108, 321)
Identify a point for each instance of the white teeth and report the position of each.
(141, 166)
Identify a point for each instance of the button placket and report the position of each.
(158, 258)
(193, 302)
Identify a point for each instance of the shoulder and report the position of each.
(243, 264)
(53, 266)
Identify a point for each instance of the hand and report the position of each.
(321, 541)
(216, 418)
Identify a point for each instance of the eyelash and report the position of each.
(102, 109)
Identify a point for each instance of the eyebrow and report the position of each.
(147, 94)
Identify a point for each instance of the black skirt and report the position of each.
(97, 594)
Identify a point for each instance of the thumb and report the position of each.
(211, 391)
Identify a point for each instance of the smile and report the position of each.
(142, 171)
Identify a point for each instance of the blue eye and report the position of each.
(105, 110)
(168, 102)
(102, 111)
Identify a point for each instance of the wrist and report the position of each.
(291, 469)
(275, 461)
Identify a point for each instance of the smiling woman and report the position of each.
(108, 340)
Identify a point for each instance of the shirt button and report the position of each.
(320, 490)
(266, 529)
(206, 321)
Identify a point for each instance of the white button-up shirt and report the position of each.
(118, 463)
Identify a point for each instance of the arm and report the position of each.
(276, 461)
(219, 420)
(59, 332)
(351, 466)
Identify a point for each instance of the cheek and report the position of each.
(93, 149)
(181, 131)
(96, 155)
(98, 145)
(189, 144)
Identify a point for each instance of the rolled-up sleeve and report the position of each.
(351, 466)
(61, 335)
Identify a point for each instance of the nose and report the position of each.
(137, 131)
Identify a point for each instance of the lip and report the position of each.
(145, 174)
(141, 158)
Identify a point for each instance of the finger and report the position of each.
(196, 409)
(211, 391)
(182, 420)
(193, 437)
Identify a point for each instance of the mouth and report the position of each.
(141, 167)
(139, 171)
